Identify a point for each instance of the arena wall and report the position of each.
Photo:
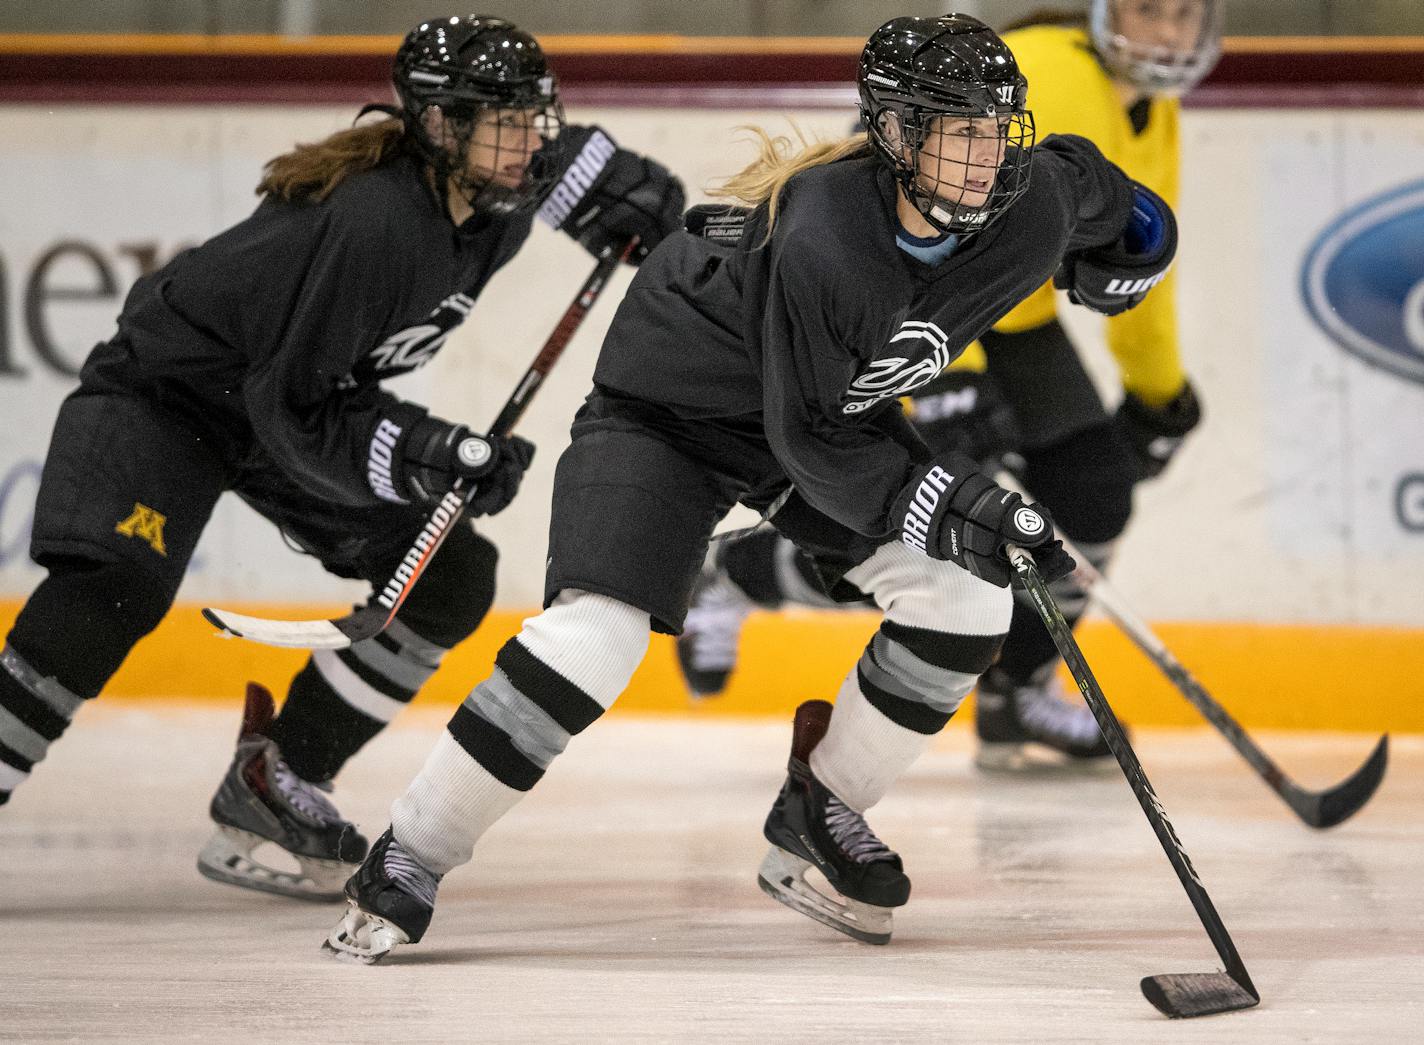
(1282, 555)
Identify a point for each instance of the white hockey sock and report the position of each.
(554, 679)
(863, 753)
(448, 806)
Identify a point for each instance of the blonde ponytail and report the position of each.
(779, 159)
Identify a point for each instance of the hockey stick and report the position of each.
(1176, 994)
(1317, 808)
(376, 615)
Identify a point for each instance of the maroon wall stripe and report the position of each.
(1285, 79)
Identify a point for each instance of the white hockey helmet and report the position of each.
(1160, 46)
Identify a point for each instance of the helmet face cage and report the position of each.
(944, 102)
(1130, 35)
(961, 171)
(488, 153)
(499, 104)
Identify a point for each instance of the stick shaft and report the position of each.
(399, 587)
(1127, 759)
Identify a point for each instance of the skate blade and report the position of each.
(362, 938)
(1033, 758)
(783, 877)
(227, 858)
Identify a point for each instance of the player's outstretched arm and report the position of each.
(1116, 276)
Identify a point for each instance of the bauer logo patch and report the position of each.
(927, 353)
(145, 524)
(1363, 281)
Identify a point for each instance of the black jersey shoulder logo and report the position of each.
(413, 347)
(927, 352)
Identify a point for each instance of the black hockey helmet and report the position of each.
(1163, 48)
(468, 65)
(914, 71)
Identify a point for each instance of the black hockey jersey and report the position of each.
(820, 330)
(276, 333)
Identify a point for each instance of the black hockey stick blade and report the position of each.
(1177, 995)
(1337, 804)
(1182, 995)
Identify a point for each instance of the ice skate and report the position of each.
(1012, 720)
(390, 901)
(712, 632)
(261, 800)
(810, 827)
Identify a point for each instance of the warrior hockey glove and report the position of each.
(609, 195)
(1155, 433)
(1116, 277)
(951, 510)
(437, 453)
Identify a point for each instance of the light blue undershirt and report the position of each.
(932, 250)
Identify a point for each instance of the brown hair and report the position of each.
(1049, 16)
(778, 160)
(313, 169)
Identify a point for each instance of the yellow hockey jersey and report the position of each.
(1069, 92)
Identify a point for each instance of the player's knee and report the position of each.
(945, 650)
(456, 590)
(931, 594)
(918, 677)
(83, 619)
(1085, 482)
(592, 641)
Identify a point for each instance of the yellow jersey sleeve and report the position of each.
(1069, 92)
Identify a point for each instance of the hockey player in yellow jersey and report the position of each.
(1114, 78)
(1106, 89)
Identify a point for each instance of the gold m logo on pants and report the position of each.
(145, 524)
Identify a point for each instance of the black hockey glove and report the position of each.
(1116, 277)
(1156, 433)
(962, 411)
(951, 510)
(608, 195)
(437, 453)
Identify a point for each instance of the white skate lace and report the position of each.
(853, 834)
(410, 874)
(714, 624)
(1042, 709)
(303, 796)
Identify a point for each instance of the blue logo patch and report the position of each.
(1363, 281)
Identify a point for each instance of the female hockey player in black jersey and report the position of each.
(767, 373)
(1112, 78)
(254, 362)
